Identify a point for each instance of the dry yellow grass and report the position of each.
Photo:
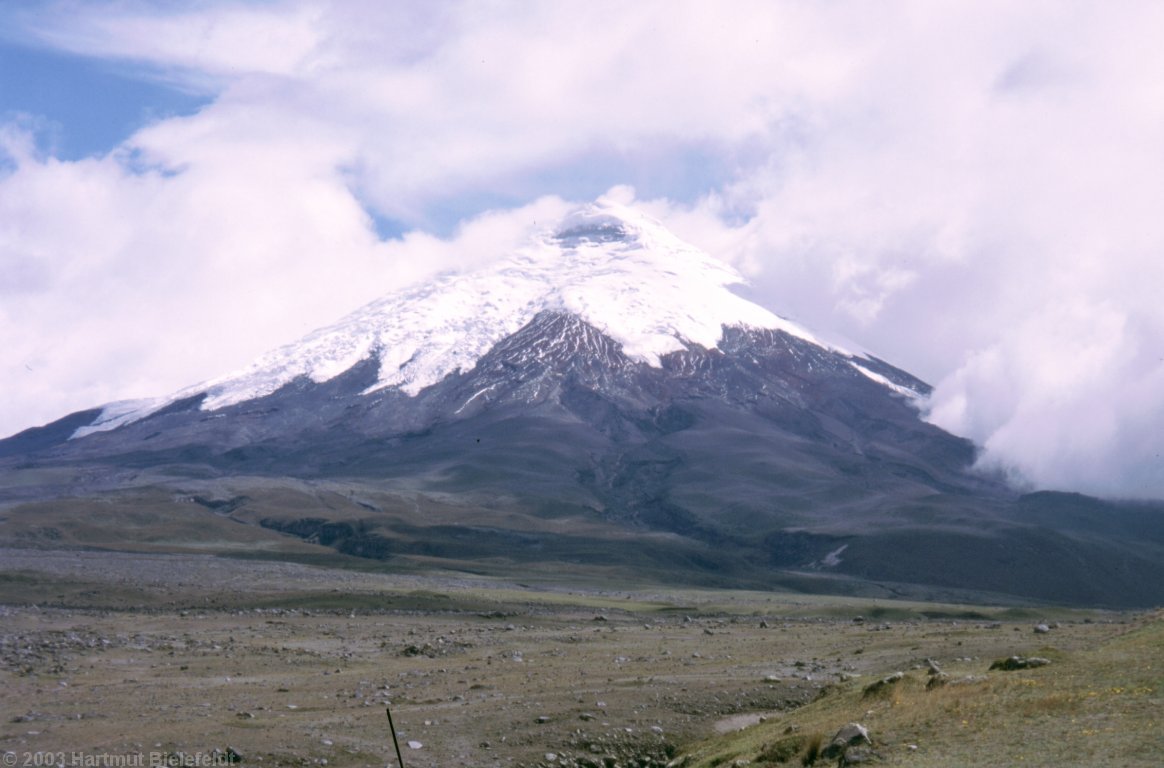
(1098, 705)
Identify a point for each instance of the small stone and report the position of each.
(1042, 629)
(1019, 662)
(414, 745)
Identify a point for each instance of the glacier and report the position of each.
(615, 267)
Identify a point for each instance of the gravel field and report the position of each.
(269, 663)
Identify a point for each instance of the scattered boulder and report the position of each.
(1019, 662)
(937, 681)
(850, 736)
(858, 756)
(884, 684)
(229, 756)
(932, 667)
(1042, 629)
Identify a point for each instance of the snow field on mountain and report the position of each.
(617, 269)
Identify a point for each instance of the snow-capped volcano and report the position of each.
(598, 397)
(613, 267)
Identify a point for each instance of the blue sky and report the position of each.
(80, 107)
(968, 189)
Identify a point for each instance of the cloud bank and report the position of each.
(967, 190)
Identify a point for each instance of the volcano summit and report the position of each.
(605, 265)
(599, 401)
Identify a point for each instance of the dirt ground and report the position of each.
(185, 660)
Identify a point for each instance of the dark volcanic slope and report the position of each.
(770, 422)
(765, 457)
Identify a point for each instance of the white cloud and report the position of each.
(207, 40)
(985, 220)
(970, 190)
(141, 278)
(1069, 398)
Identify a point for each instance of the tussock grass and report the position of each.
(812, 749)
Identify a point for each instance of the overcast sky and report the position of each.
(971, 190)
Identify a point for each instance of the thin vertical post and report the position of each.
(392, 728)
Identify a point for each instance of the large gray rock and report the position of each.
(851, 735)
(858, 756)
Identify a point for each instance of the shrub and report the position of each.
(812, 750)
